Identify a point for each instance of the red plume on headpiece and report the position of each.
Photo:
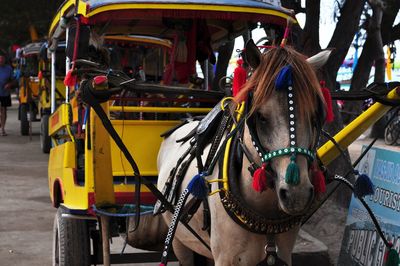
(328, 100)
(239, 77)
(318, 179)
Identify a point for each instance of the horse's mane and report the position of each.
(305, 82)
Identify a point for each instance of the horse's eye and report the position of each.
(261, 118)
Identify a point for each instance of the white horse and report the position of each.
(281, 205)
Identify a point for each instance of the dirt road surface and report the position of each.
(26, 214)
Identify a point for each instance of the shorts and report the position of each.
(5, 101)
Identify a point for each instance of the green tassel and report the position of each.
(292, 172)
(392, 258)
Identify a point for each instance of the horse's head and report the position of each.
(284, 121)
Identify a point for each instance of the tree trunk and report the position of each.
(390, 12)
(346, 28)
(372, 52)
(342, 38)
(310, 37)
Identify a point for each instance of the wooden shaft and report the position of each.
(104, 236)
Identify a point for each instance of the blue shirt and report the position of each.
(6, 75)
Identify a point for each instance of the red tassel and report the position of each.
(328, 100)
(70, 80)
(260, 179)
(239, 77)
(318, 180)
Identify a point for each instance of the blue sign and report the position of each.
(361, 244)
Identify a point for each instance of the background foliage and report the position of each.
(17, 15)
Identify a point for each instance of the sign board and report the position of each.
(361, 244)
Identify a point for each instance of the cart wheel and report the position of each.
(71, 244)
(24, 109)
(45, 140)
(392, 133)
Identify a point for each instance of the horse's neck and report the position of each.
(265, 202)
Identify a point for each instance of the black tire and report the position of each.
(392, 133)
(71, 242)
(23, 117)
(45, 140)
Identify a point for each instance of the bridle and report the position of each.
(265, 155)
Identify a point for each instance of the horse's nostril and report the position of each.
(311, 195)
(312, 191)
(284, 194)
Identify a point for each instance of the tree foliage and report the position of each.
(17, 16)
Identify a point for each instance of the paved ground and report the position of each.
(25, 209)
(26, 214)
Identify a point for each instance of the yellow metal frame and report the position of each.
(145, 40)
(328, 152)
(141, 109)
(98, 160)
(63, 10)
(103, 159)
(28, 90)
(61, 119)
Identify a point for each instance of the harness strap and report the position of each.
(174, 176)
(271, 257)
(217, 139)
(89, 98)
(174, 224)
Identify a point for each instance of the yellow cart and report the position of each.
(151, 48)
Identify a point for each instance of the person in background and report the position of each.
(6, 83)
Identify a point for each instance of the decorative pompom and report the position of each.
(239, 77)
(292, 172)
(260, 179)
(198, 187)
(328, 100)
(391, 257)
(363, 186)
(318, 180)
(284, 79)
(70, 80)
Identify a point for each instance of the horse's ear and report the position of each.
(251, 54)
(319, 60)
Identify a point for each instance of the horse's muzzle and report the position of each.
(295, 200)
